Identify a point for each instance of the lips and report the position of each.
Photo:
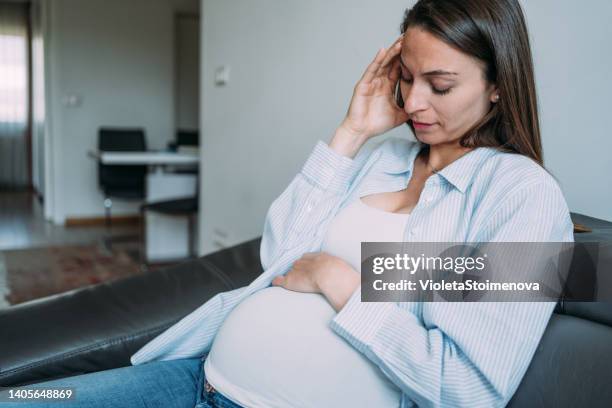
(422, 125)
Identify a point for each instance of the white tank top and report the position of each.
(276, 349)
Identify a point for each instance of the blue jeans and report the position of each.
(164, 384)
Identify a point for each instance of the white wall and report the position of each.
(117, 56)
(293, 66)
(573, 63)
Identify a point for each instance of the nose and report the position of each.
(415, 100)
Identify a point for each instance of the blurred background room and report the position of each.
(139, 133)
(78, 78)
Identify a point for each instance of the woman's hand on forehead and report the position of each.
(385, 67)
(373, 109)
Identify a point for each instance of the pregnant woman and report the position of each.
(461, 77)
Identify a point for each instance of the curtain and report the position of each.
(13, 95)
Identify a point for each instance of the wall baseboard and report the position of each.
(98, 221)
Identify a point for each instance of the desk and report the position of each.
(145, 158)
(166, 236)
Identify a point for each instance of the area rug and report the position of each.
(32, 273)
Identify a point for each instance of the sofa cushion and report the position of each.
(572, 366)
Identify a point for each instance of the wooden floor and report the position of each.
(22, 225)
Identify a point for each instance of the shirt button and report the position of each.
(309, 207)
(413, 231)
(428, 199)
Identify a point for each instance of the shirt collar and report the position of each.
(459, 173)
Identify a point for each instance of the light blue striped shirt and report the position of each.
(438, 354)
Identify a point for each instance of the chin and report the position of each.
(434, 138)
(430, 138)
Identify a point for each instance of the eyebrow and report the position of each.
(435, 72)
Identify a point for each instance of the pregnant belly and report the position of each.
(276, 349)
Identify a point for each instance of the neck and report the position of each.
(441, 155)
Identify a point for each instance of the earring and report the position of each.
(496, 98)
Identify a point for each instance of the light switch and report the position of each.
(222, 75)
(72, 101)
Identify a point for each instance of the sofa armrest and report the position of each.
(100, 327)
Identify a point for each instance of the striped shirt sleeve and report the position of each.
(308, 200)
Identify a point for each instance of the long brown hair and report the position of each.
(494, 32)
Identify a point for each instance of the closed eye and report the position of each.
(435, 90)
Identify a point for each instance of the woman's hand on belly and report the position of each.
(320, 272)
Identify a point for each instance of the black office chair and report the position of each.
(185, 138)
(178, 207)
(121, 181)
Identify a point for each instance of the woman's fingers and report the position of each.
(371, 70)
(383, 57)
(392, 52)
(394, 70)
(391, 56)
(394, 73)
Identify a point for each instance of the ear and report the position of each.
(493, 93)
